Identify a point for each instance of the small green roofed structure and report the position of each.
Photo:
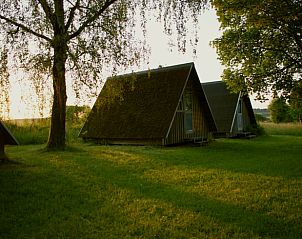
(6, 138)
(164, 106)
(232, 112)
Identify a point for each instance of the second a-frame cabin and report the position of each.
(6, 138)
(233, 112)
(164, 106)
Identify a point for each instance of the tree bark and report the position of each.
(56, 138)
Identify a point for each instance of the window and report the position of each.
(240, 106)
(188, 122)
(188, 106)
(188, 101)
(239, 116)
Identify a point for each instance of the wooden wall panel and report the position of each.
(176, 134)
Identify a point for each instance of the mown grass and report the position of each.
(229, 189)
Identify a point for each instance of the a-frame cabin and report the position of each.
(6, 138)
(232, 112)
(164, 106)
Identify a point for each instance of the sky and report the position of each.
(23, 100)
(207, 65)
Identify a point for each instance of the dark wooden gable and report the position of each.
(202, 123)
(201, 96)
(6, 138)
(250, 110)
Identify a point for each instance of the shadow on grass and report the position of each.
(266, 155)
(9, 162)
(249, 221)
(65, 185)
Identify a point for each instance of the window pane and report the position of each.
(188, 101)
(240, 106)
(188, 121)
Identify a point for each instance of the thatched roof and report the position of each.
(139, 105)
(223, 104)
(6, 138)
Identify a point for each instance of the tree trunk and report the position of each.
(56, 138)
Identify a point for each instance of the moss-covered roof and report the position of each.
(139, 105)
(223, 104)
(6, 138)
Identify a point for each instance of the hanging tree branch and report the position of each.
(91, 19)
(25, 28)
(72, 14)
(48, 11)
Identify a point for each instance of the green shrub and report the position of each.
(260, 118)
(256, 129)
(280, 110)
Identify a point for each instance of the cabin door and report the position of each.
(239, 116)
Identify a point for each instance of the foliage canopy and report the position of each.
(279, 110)
(295, 102)
(261, 45)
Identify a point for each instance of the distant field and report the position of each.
(282, 128)
(232, 188)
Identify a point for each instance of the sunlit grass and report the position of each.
(229, 189)
(283, 128)
(37, 132)
(239, 189)
(30, 133)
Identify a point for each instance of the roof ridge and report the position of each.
(212, 82)
(155, 70)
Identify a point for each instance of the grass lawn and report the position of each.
(294, 129)
(230, 189)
